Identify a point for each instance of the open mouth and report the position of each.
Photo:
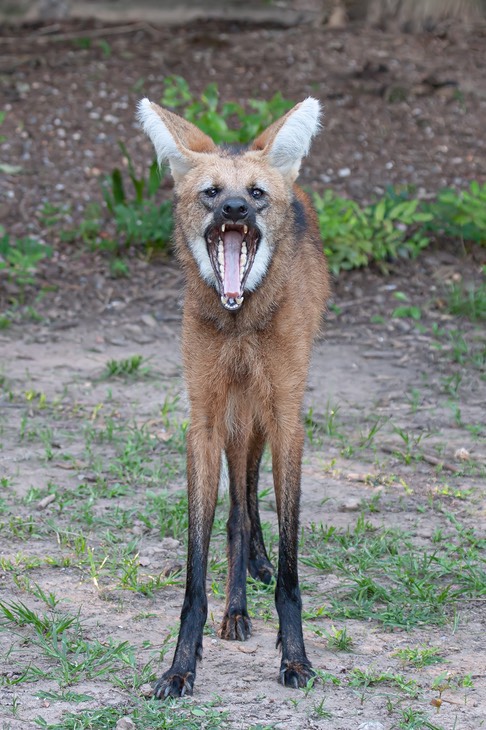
(232, 248)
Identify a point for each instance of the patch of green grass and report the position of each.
(339, 639)
(420, 656)
(412, 719)
(19, 615)
(132, 578)
(168, 715)
(385, 577)
(362, 679)
(126, 367)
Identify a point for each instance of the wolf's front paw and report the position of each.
(172, 684)
(236, 626)
(295, 674)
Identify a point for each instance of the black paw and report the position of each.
(295, 674)
(261, 569)
(236, 626)
(172, 684)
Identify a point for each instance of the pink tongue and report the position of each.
(232, 248)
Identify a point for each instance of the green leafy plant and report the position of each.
(354, 236)
(460, 215)
(139, 220)
(214, 117)
(19, 257)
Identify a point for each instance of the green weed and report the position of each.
(461, 214)
(339, 639)
(420, 656)
(468, 301)
(405, 310)
(17, 614)
(212, 116)
(386, 578)
(20, 257)
(354, 236)
(169, 715)
(126, 367)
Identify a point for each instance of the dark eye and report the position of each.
(211, 192)
(256, 193)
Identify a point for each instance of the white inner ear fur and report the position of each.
(166, 147)
(293, 139)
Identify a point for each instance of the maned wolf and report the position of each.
(256, 286)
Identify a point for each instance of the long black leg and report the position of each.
(236, 623)
(259, 566)
(203, 464)
(295, 669)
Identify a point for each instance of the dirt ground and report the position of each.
(399, 109)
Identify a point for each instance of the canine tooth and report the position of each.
(223, 228)
(239, 300)
(224, 299)
(245, 230)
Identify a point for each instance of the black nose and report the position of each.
(235, 209)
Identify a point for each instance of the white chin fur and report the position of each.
(200, 253)
(261, 263)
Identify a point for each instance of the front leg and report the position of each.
(295, 669)
(203, 465)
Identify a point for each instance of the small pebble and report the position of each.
(125, 723)
(351, 505)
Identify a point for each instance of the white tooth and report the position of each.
(220, 246)
(239, 300)
(245, 230)
(223, 228)
(243, 248)
(220, 257)
(224, 299)
(243, 259)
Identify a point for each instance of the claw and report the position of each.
(236, 627)
(172, 684)
(296, 674)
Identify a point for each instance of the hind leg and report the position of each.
(259, 566)
(236, 624)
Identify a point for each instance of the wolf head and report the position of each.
(232, 208)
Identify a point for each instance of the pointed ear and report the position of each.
(287, 141)
(176, 140)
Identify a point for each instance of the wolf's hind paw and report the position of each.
(236, 627)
